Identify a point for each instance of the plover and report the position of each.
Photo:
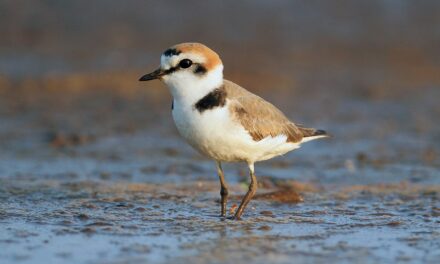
(222, 120)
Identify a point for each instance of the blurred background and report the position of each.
(87, 149)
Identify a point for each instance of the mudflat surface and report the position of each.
(92, 169)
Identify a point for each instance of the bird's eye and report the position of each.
(185, 63)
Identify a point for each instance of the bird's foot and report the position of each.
(234, 218)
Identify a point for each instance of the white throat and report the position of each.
(187, 88)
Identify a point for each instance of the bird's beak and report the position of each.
(153, 75)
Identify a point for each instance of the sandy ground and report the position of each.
(92, 169)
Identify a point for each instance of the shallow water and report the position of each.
(101, 222)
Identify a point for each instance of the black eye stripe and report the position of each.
(171, 70)
(200, 69)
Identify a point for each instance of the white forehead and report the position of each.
(167, 62)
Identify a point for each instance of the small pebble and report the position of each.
(265, 228)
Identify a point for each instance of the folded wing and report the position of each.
(259, 117)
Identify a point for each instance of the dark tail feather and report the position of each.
(311, 132)
(320, 132)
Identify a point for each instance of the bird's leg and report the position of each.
(224, 188)
(252, 190)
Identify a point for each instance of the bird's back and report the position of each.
(261, 118)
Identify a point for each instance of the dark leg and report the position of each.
(224, 188)
(252, 190)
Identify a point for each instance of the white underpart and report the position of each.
(216, 135)
(213, 132)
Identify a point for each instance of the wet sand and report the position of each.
(145, 196)
(92, 169)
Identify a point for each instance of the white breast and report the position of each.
(215, 134)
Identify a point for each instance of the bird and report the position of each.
(223, 120)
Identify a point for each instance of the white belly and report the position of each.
(216, 135)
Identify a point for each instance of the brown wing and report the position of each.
(259, 117)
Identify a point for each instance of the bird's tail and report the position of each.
(312, 134)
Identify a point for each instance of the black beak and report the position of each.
(152, 76)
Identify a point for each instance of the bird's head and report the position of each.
(188, 68)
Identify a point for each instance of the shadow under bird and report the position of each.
(222, 120)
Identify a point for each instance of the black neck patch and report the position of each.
(212, 100)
